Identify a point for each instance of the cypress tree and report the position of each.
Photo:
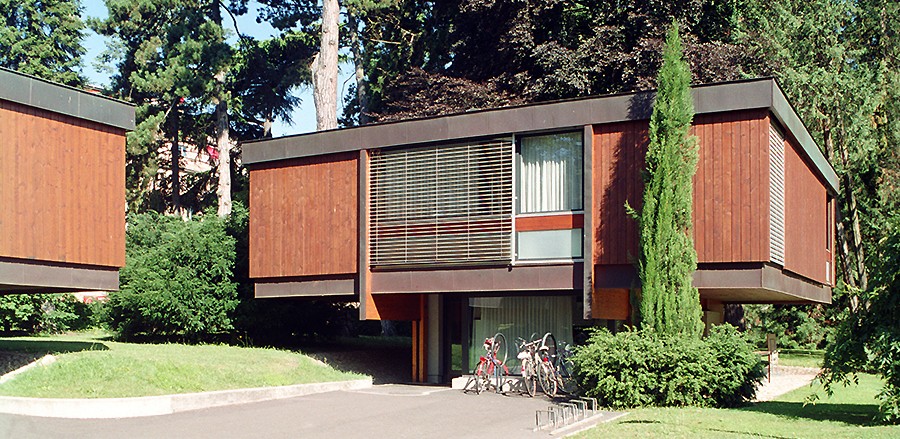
(669, 303)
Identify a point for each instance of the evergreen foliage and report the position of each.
(43, 313)
(840, 64)
(647, 368)
(177, 283)
(42, 38)
(795, 326)
(669, 304)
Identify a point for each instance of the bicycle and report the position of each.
(529, 358)
(556, 367)
(565, 369)
(492, 364)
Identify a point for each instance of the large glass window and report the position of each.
(550, 173)
(517, 317)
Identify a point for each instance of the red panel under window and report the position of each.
(550, 222)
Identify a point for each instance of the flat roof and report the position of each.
(51, 96)
(761, 93)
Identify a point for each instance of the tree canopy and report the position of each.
(43, 38)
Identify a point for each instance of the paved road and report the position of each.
(395, 411)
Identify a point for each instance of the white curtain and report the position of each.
(550, 173)
(518, 317)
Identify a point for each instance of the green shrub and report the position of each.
(794, 326)
(48, 313)
(64, 312)
(644, 368)
(177, 280)
(21, 312)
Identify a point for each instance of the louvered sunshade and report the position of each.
(441, 204)
(776, 195)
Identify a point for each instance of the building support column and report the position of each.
(434, 346)
(419, 342)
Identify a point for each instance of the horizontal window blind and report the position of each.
(441, 204)
(776, 195)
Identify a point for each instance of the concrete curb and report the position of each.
(43, 361)
(163, 405)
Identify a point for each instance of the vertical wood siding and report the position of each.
(62, 188)
(731, 188)
(806, 231)
(303, 217)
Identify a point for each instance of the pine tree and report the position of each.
(172, 61)
(669, 303)
(42, 38)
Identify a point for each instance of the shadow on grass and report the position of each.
(50, 346)
(853, 414)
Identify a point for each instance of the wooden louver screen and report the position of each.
(441, 204)
(776, 195)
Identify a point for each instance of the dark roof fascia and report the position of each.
(573, 114)
(69, 101)
(784, 112)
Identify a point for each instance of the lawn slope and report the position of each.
(90, 368)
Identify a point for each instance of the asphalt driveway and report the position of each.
(395, 411)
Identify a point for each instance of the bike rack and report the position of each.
(592, 402)
(551, 419)
(580, 404)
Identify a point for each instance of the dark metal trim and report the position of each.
(785, 113)
(540, 117)
(310, 288)
(587, 160)
(362, 267)
(35, 276)
(38, 93)
(513, 278)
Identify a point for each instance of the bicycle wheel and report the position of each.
(529, 378)
(567, 377)
(501, 349)
(480, 374)
(547, 378)
(549, 341)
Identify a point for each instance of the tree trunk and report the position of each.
(176, 168)
(223, 144)
(843, 246)
(853, 211)
(267, 126)
(362, 95)
(325, 68)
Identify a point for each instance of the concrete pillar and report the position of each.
(435, 334)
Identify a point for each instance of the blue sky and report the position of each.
(304, 116)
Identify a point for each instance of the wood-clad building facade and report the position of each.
(62, 187)
(515, 218)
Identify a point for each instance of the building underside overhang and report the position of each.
(762, 284)
(20, 276)
(730, 283)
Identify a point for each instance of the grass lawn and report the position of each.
(90, 367)
(801, 358)
(848, 414)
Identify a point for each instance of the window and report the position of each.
(550, 173)
(550, 244)
(550, 185)
(441, 204)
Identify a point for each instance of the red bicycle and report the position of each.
(492, 365)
